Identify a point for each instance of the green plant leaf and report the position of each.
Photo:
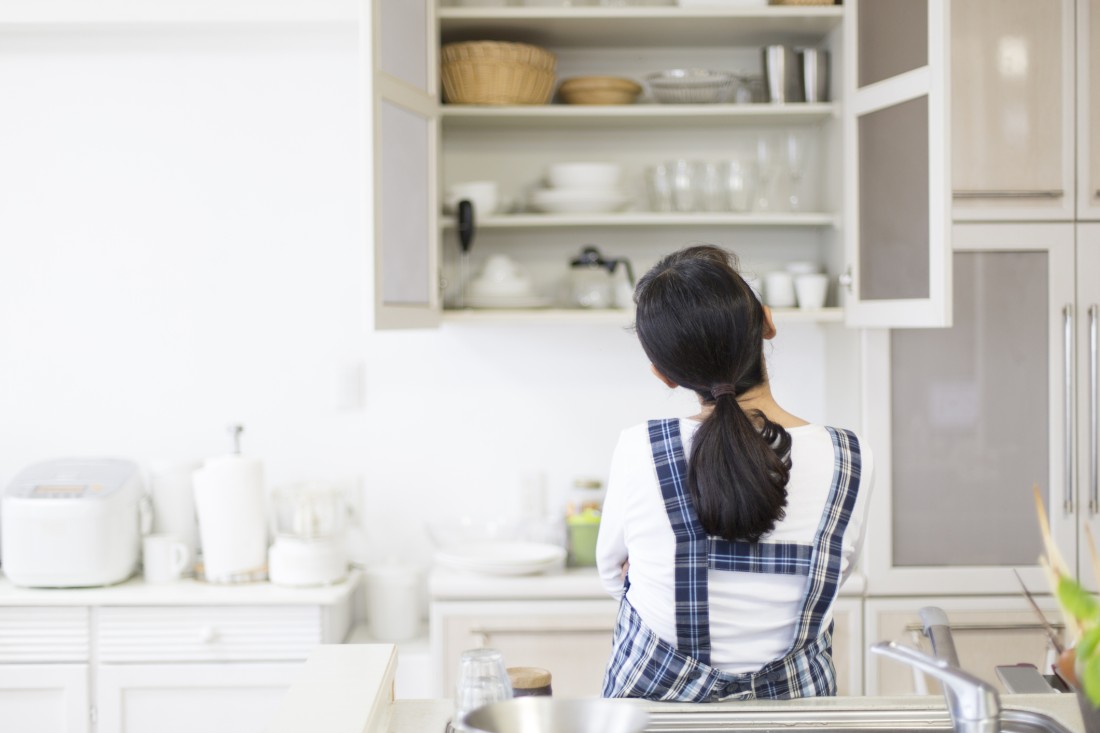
(1087, 644)
(1077, 602)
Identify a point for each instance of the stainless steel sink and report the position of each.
(878, 720)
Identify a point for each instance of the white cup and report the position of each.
(811, 290)
(484, 195)
(165, 557)
(779, 289)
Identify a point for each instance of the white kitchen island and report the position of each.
(349, 689)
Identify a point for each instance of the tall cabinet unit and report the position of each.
(1005, 399)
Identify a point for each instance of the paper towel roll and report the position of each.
(229, 501)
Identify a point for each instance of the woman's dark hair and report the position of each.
(702, 327)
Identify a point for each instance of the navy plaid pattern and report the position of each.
(778, 558)
(643, 665)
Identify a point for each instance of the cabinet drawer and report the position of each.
(44, 634)
(207, 633)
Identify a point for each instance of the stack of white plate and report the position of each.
(580, 188)
(502, 558)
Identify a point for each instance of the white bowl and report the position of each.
(583, 175)
(578, 200)
(482, 287)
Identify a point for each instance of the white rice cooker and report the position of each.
(73, 522)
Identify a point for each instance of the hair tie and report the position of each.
(720, 389)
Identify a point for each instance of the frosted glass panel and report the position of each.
(404, 41)
(893, 202)
(1006, 95)
(404, 209)
(970, 423)
(893, 38)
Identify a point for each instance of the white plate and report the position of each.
(502, 558)
(507, 301)
(577, 201)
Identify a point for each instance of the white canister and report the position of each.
(811, 290)
(394, 595)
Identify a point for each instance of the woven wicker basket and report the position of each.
(496, 72)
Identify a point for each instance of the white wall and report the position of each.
(181, 248)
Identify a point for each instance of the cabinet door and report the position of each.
(1012, 109)
(183, 698)
(966, 420)
(45, 698)
(402, 148)
(1088, 110)
(897, 184)
(848, 646)
(987, 632)
(1088, 386)
(571, 639)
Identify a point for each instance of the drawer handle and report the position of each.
(484, 635)
(1052, 194)
(208, 634)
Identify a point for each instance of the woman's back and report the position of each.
(753, 615)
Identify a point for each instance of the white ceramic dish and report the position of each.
(584, 175)
(502, 558)
(578, 200)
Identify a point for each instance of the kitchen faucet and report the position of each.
(973, 703)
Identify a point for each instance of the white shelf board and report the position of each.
(458, 116)
(622, 318)
(16, 14)
(642, 26)
(648, 219)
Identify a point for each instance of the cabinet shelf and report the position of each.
(628, 27)
(634, 116)
(565, 316)
(649, 219)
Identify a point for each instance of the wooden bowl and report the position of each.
(598, 90)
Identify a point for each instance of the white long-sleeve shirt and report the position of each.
(752, 615)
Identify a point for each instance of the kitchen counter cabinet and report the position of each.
(176, 657)
(564, 621)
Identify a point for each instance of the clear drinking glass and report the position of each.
(710, 185)
(796, 169)
(685, 188)
(482, 679)
(765, 173)
(738, 185)
(658, 186)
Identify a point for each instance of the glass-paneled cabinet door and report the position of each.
(897, 177)
(1088, 394)
(403, 152)
(1012, 109)
(967, 420)
(1088, 110)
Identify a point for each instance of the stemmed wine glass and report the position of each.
(765, 168)
(796, 168)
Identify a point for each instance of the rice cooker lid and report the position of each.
(73, 478)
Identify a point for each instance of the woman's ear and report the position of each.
(660, 375)
(769, 324)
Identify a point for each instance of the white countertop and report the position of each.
(570, 583)
(186, 592)
(349, 688)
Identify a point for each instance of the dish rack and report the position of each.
(496, 72)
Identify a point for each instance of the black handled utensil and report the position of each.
(465, 212)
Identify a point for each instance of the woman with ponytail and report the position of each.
(728, 534)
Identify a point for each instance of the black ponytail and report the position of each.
(702, 327)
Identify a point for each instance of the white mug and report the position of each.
(779, 289)
(811, 290)
(165, 558)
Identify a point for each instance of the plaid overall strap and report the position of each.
(692, 616)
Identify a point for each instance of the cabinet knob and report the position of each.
(845, 278)
(208, 634)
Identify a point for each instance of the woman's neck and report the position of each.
(760, 398)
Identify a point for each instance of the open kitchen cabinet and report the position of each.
(897, 98)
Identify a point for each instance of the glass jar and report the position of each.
(582, 521)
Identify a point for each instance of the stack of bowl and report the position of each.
(497, 72)
(580, 188)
